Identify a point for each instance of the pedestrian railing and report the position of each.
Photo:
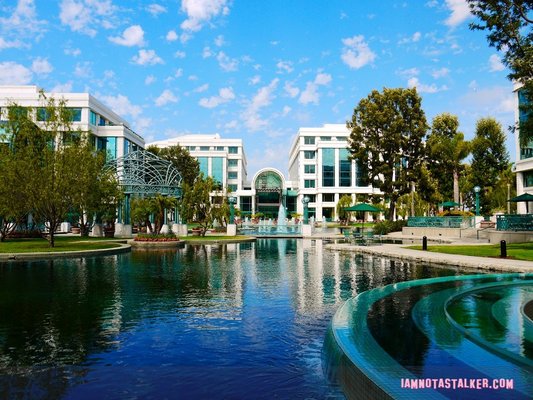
(441, 222)
(514, 222)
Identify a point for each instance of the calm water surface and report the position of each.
(235, 321)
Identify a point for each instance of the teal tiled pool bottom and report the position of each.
(459, 337)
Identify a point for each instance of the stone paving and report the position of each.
(399, 251)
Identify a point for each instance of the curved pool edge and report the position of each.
(32, 256)
(380, 379)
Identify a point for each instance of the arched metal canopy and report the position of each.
(143, 173)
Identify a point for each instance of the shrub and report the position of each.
(384, 227)
(455, 213)
(155, 237)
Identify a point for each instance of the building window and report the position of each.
(342, 138)
(328, 167)
(309, 140)
(361, 175)
(232, 175)
(528, 178)
(325, 138)
(93, 118)
(111, 148)
(219, 148)
(127, 146)
(309, 183)
(309, 154)
(345, 168)
(202, 161)
(329, 197)
(42, 114)
(309, 169)
(204, 148)
(312, 198)
(232, 187)
(246, 204)
(217, 170)
(102, 121)
(233, 150)
(75, 114)
(233, 163)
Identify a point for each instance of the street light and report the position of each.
(232, 201)
(305, 202)
(477, 189)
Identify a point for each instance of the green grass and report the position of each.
(62, 243)
(518, 251)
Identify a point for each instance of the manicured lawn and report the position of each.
(518, 251)
(62, 243)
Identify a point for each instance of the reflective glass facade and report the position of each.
(328, 167)
(345, 168)
(203, 166)
(217, 170)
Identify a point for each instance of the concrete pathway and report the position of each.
(398, 251)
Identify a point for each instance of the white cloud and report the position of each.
(254, 80)
(440, 73)
(84, 15)
(495, 63)
(416, 36)
(284, 66)
(147, 57)
(166, 97)
(7, 44)
(62, 88)
(356, 53)
(156, 9)
(149, 80)
(83, 69)
(219, 41)
(201, 89)
(460, 12)
(200, 12)
(310, 94)
(180, 54)
(489, 100)
(224, 95)
(22, 23)
(121, 105)
(233, 124)
(206, 53)
(262, 98)
(172, 36)
(411, 39)
(132, 36)
(12, 73)
(292, 91)
(423, 88)
(41, 66)
(72, 52)
(226, 63)
(409, 72)
(286, 111)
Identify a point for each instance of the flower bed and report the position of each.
(152, 237)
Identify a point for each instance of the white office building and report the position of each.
(524, 157)
(319, 165)
(111, 132)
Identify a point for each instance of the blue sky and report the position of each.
(253, 69)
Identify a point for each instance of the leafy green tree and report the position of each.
(97, 190)
(446, 151)
(196, 203)
(141, 211)
(387, 133)
(187, 165)
(508, 23)
(144, 207)
(504, 189)
(344, 202)
(489, 158)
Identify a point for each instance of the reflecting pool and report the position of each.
(224, 321)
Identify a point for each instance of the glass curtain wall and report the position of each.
(328, 167)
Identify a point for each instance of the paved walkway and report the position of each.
(400, 252)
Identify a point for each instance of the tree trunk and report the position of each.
(456, 186)
(392, 207)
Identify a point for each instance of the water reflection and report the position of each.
(203, 317)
